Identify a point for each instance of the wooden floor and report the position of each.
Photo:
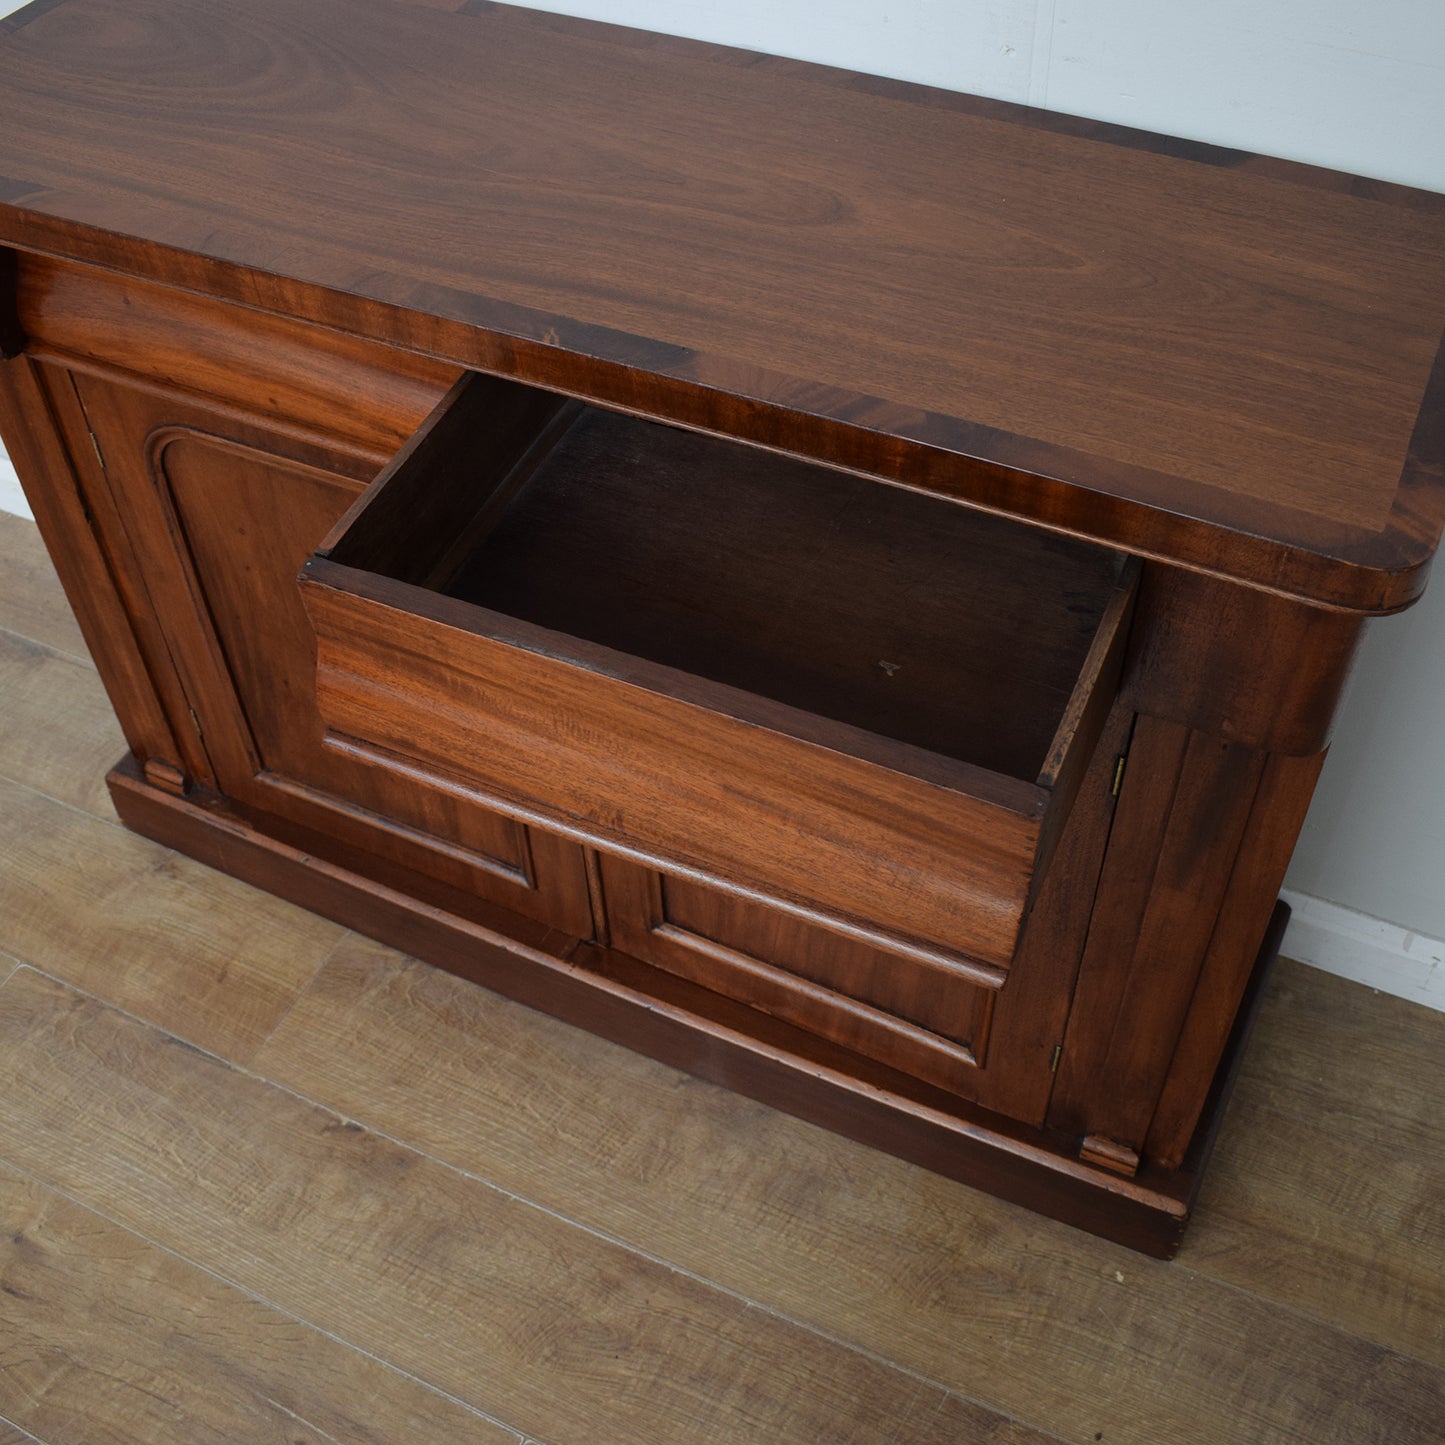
(262, 1179)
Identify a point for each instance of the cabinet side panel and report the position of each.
(86, 562)
(1183, 809)
(1274, 824)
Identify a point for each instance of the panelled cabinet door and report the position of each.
(221, 511)
(987, 1035)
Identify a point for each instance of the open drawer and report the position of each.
(862, 704)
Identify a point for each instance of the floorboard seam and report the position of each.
(260, 1299)
(615, 1240)
(49, 647)
(20, 1430)
(110, 822)
(1294, 1312)
(300, 994)
(849, 1346)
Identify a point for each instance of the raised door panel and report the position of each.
(905, 1011)
(222, 512)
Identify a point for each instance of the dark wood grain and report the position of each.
(1230, 366)
(1276, 816)
(223, 508)
(369, 397)
(1255, 669)
(626, 1000)
(33, 411)
(1183, 807)
(633, 768)
(695, 562)
(709, 654)
(960, 634)
(884, 1004)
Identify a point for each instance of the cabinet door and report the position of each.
(221, 510)
(911, 1013)
(987, 1035)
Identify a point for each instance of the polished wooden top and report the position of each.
(1194, 354)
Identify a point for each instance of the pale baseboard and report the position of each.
(12, 499)
(1368, 950)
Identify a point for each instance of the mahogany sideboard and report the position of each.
(838, 585)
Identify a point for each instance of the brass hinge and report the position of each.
(99, 455)
(1054, 1061)
(196, 723)
(1118, 774)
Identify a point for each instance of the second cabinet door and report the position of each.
(222, 511)
(911, 1013)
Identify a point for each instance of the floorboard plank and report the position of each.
(567, 1336)
(108, 1339)
(14, 1435)
(58, 733)
(198, 953)
(1078, 1337)
(31, 600)
(1327, 1189)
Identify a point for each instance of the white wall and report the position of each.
(1358, 85)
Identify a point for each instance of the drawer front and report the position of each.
(649, 573)
(672, 782)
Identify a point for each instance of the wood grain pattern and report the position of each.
(1070, 1334)
(677, 770)
(884, 1004)
(1241, 665)
(58, 733)
(898, 614)
(626, 1000)
(1236, 369)
(562, 1333)
(1276, 816)
(1183, 806)
(108, 1340)
(31, 602)
(369, 396)
(37, 409)
(212, 960)
(224, 507)
(1327, 1191)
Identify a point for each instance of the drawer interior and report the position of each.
(889, 611)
